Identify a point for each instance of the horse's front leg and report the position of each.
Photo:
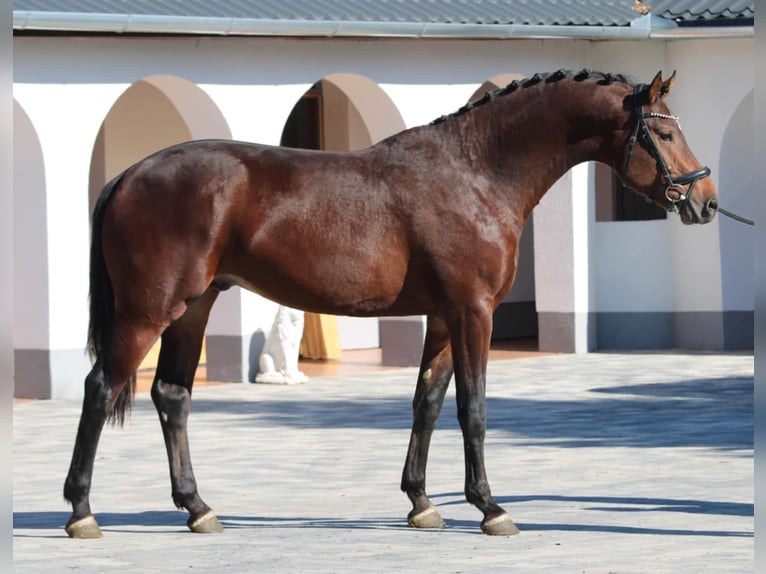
(433, 379)
(171, 393)
(470, 343)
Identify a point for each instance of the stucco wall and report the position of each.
(661, 268)
(245, 88)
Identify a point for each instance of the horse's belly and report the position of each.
(334, 283)
(308, 254)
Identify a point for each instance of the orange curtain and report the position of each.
(320, 337)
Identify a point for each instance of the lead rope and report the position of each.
(735, 217)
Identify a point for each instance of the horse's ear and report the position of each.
(653, 90)
(659, 88)
(666, 85)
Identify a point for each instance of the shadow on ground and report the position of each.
(174, 521)
(695, 413)
(621, 503)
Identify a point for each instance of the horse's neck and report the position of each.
(532, 139)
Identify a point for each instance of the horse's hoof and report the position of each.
(84, 528)
(428, 518)
(205, 524)
(500, 525)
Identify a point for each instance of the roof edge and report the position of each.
(80, 22)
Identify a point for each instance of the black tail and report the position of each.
(102, 303)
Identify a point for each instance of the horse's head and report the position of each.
(658, 162)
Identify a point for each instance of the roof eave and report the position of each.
(72, 22)
(704, 32)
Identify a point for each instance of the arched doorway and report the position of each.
(340, 112)
(153, 113)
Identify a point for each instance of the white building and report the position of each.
(94, 92)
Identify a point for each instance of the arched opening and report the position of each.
(340, 112)
(515, 320)
(30, 262)
(736, 190)
(153, 113)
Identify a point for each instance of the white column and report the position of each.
(562, 274)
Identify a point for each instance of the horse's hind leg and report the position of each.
(171, 393)
(106, 393)
(433, 379)
(98, 395)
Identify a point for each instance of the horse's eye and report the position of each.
(666, 136)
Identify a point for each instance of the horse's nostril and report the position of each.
(712, 205)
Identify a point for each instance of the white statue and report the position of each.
(279, 361)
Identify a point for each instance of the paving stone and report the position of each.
(608, 462)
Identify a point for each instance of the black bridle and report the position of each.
(675, 192)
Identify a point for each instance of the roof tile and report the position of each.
(488, 12)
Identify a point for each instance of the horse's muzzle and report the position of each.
(693, 211)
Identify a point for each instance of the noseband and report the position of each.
(671, 185)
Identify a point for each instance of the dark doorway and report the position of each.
(303, 128)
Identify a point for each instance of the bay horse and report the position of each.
(425, 222)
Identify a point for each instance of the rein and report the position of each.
(672, 185)
(735, 217)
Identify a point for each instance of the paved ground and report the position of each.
(607, 462)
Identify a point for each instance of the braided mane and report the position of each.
(578, 76)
